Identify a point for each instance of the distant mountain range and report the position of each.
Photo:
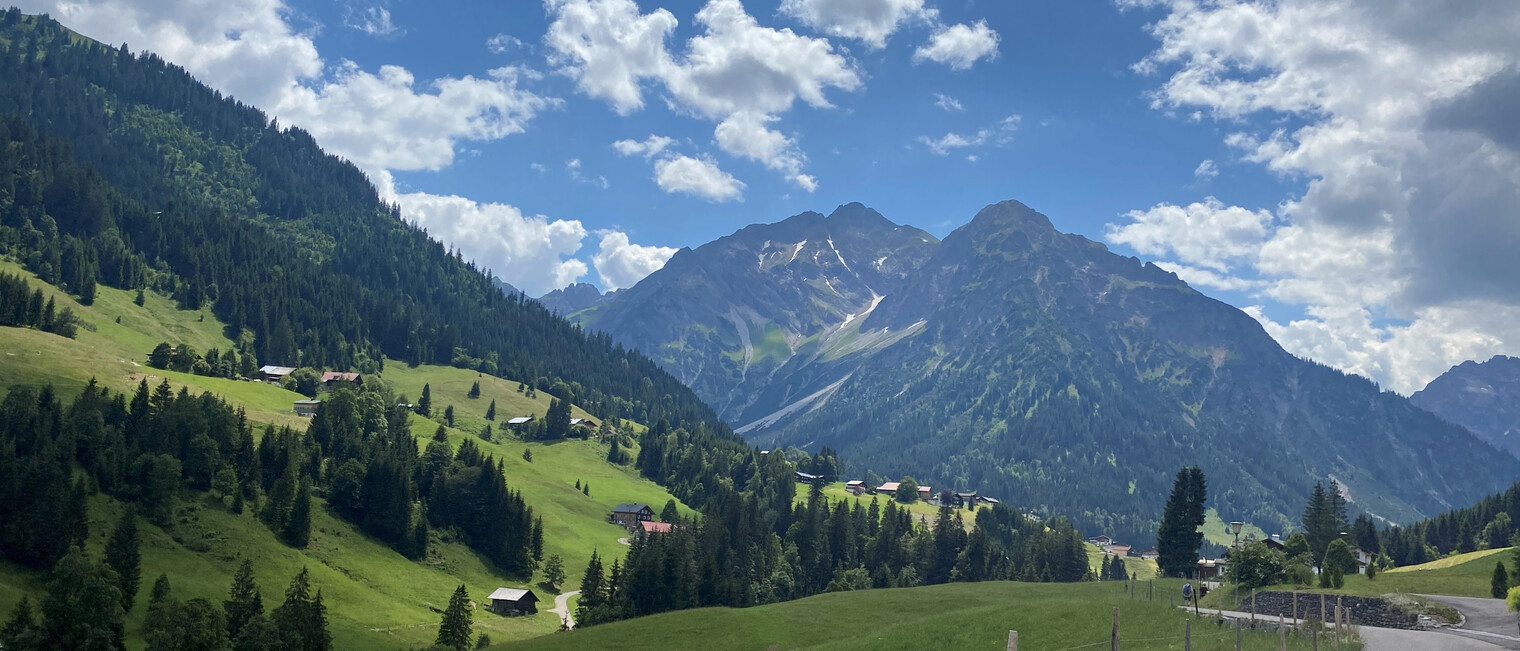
(1483, 397)
(574, 298)
(1030, 364)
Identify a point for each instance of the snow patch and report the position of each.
(776, 416)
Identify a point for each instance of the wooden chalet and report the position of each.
(275, 374)
(511, 601)
(307, 408)
(805, 478)
(334, 379)
(519, 421)
(630, 515)
(855, 487)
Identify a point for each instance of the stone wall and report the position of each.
(1363, 611)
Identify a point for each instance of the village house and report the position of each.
(275, 374)
(1118, 549)
(630, 515)
(924, 493)
(511, 601)
(805, 478)
(855, 487)
(887, 487)
(648, 528)
(333, 379)
(519, 421)
(583, 422)
(1210, 569)
(989, 501)
(1101, 541)
(1151, 553)
(307, 408)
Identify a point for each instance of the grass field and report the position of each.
(1143, 568)
(375, 597)
(953, 616)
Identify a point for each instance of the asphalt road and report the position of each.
(562, 608)
(1484, 619)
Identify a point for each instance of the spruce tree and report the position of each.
(140, 299)
(474, 391)
(554, 571)
(454, 629)
(425, 403)
(124, 557)
(1500, 585)
(614, 453)
(1319, 523)
(593, 590)
(536, 539)
(1178, 538)
(586, 489)
(527, 455)
(1105, 573)
(491, 411)
(669, 513)
(82, 609)
(244, 604)
(298, 528)
(448, 415)
(21, 630)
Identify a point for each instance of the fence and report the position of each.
(1337, 632)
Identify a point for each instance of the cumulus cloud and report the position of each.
(1208, 234)
(1408, 159)
(699, 177)
(868, 21)
(960, 46)
(745, 134)
(648, 148)
(735, 66)
(997, 135)
(531, 252)
(622, 264)
(503, 43)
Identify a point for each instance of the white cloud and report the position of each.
(609, 48)
(745, 134)
(869, 21)
(948, 103)
(960, 46)
(649, 148)
(1207, 234)
(503, 43)
(573, 167)
(997, 135)
(374, 20)
(1410, 173)
(734, 66)
(1206, 170)
(698, 177)
(621, 264)
(531, 252)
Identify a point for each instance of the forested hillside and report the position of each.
(124, 170)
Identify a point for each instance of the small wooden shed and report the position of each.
(511, 601)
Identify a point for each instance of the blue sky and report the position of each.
(1343, 170)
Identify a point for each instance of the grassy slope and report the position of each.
(922, 512)
(1462, 575)
(954, 616)
(375, 597)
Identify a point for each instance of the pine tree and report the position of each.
(474, 391)
(124, 557)
(318, 638)
(593, 589)
(1105, 573)
(140, 299)
(21, 630)
(669, 513)
(527, 455)
(454, 630)
(82, 609)
(244, 604)
(1319, 522)
(614, 453)
(298, 528)
(1500, 585)
(425, 403)
(586, 489)
(485, 434)
(1178, 538)
(160, 591)
(520, 387)
(554, 571)
(448, 415)
(536, 539)
(491, 411)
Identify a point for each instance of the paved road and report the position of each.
(562, 608)
(1485, 619)
(1389, 639)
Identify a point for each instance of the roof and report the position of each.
(630, 508)
(308, 402)
(888, 486)
(511, 594)
(654, 527)
(803, 475)
(925, 489)
(331, 376)
(277, 370)
(989, 500)
(855, 482)
(520, 420)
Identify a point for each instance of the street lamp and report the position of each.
(1234, 567)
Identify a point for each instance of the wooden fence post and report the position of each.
(1237, 635)
(1282, 633)
(1187, 635)
(1337, 625)
(1322, 612)
(1253, 608)
(1013, 641)
(1314, 637)
(1295, 605)
(1113, 643)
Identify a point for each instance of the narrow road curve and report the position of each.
(562, 608)
(1485, 619)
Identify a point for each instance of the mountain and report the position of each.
(1483, 397)
(1034, 366)
(575, 298)
(747, 320)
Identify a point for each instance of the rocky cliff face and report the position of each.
(1483, 397)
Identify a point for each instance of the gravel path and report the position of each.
(562, 608)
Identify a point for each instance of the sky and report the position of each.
(1345, 171)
